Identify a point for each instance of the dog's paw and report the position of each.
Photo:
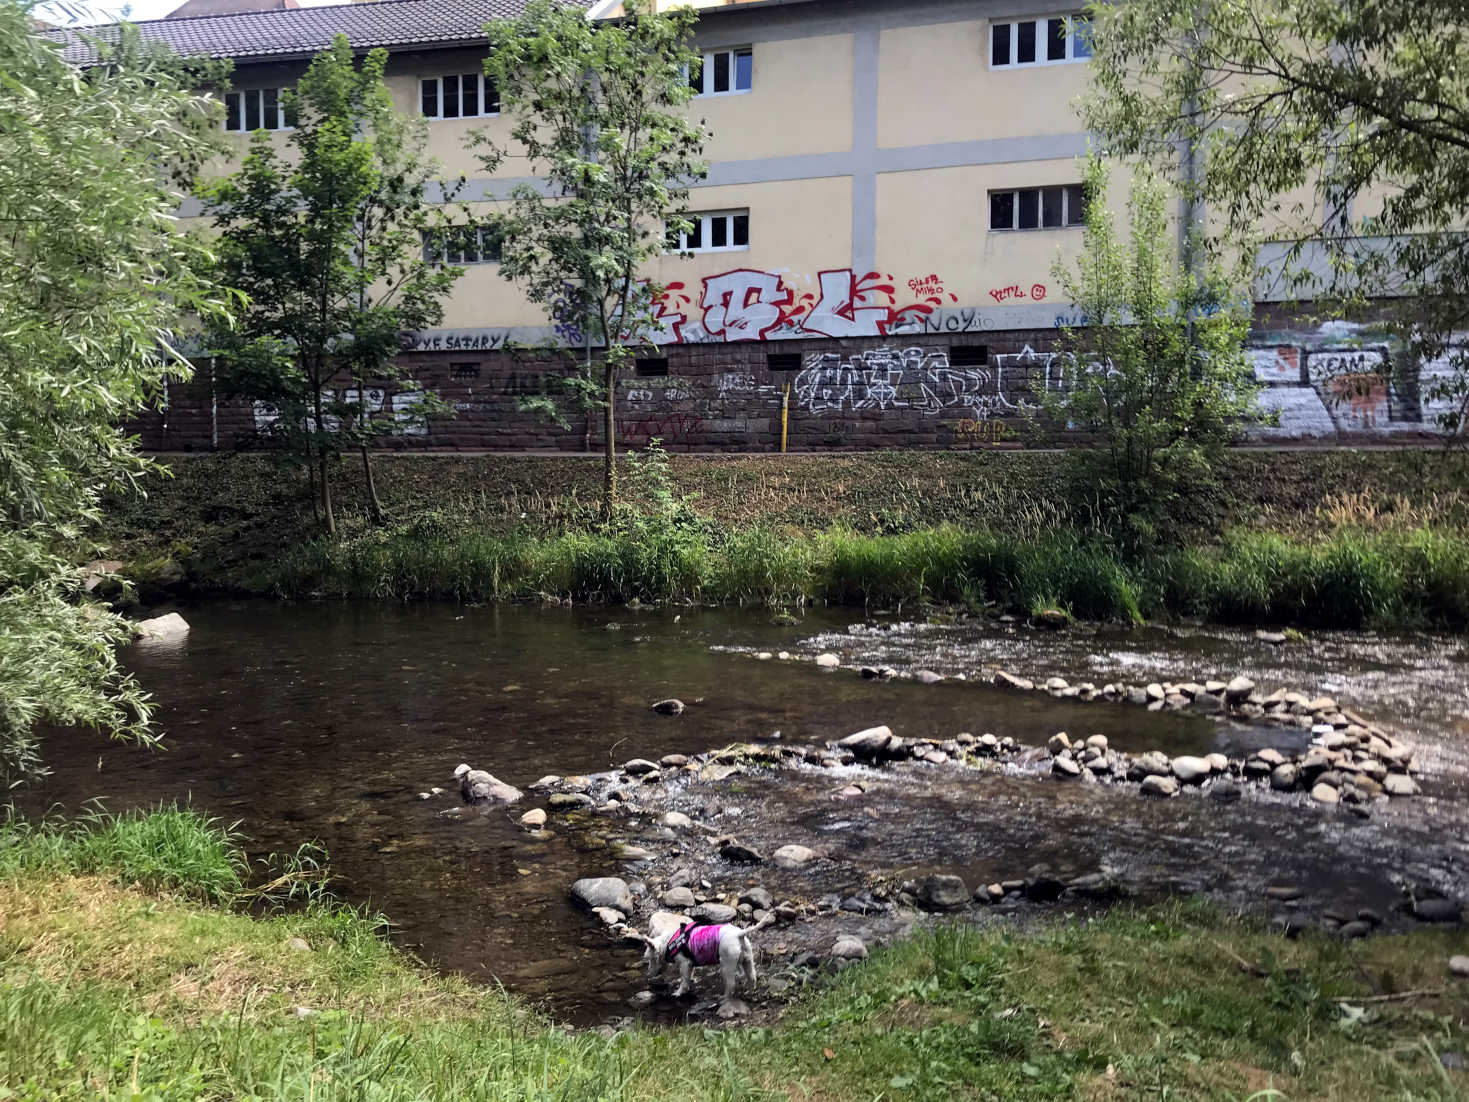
(733, 1007)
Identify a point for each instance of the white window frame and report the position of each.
(705, 220)
(1066, 191)
(1077, 24)
(485, 85)
(259, 94)
(435, 252)
(706, 63)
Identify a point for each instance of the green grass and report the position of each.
(109, 989)
(222, 515)
(1349, 579)
(173, 849)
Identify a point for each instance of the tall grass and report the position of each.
(168, 849)
(1352, 578)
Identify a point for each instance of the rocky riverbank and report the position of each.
(727, 835)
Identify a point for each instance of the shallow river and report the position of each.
(326, 721)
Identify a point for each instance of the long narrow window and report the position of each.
(1055, 40)
(461, 245)
(256, 109)
(712, 232)
(723, 72)
(458, 96)
(1038, 208)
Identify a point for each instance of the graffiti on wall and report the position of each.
(668, 428)
(404, 407)
(1318, 392)
(972, 433)
(1014, 291)
(747, 304)
(922, 379)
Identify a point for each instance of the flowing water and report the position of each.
(326, 722)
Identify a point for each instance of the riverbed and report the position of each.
(329, 722)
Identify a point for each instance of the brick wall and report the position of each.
(972, 390)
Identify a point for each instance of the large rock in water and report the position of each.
(874, 744)
(603, 891)
(479, 787)
(161, 629)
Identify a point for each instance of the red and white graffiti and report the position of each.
(744, 305)
(750, 305)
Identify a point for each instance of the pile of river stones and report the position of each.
(1350, 759)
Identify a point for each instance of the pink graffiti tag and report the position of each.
(744, 304)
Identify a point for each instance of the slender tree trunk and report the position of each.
(609, 426)
(326, 499)
(321, 455)
(374, 506)
(311, 484)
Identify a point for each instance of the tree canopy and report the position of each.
(1340, 129)
(329, 246)
(96, 287)
(598, 112)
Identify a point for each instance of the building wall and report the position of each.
(873, 301)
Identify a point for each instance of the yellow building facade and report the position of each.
(891, 185)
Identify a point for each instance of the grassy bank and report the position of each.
(1349, 579)
(115, 989)
(222, 515)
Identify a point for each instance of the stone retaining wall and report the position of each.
(966, 391)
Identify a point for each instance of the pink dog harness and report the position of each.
(700, 943)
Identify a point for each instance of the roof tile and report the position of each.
(301, 32)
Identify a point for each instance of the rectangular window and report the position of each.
(1053, 40)
(968, 355)
(648, 366)
(1045, 208)
(1056, 36)
(1075, 205)
(458, 96)
(999, 44)
(459, 245)
(1002, 210)
(712, 232)
(782, 361)
(723, 72)
(1025, 43)
(255, 109)
(1027, 209)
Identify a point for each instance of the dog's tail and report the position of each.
(768, 920)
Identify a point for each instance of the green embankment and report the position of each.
(129, 970)
(1329, 538)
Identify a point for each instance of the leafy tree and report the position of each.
(597, 111)
(1159, 373)
(329, 248)
(94, 283)
(1341, 128)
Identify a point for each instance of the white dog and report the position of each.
(704, 944)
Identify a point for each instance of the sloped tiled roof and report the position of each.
(190, 8)
(301, 32)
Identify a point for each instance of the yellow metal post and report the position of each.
(785, 412)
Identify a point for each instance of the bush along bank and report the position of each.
(111, 988)
(1348, 579)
